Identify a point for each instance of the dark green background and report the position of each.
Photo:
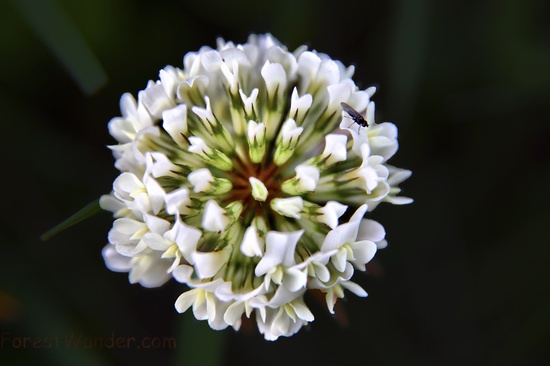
(465, 279)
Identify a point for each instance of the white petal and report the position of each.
(383, 139)
(370, 113)
(299, 105)
(381, 244)
(169, 78)
(193, 85)
(284, 296)
(371, 230)
(338, 93)
(234, 313)
(231, 75)
(143, 135)
(339, 260)
(108, 202)
(259, 190)
(186, 300)
(331, 212)
(255, 131)
(363, 252)
(302, 311)
(155, 194)
(359, 138)
(234, 55)
(329, 72)
(347, 273)
(345, 233)
(321, 272)
(115, 261)
(178, 201)
(249, 102)
(128, 106)
(251, 245)
(204, 113)
(398, 175)
(295, 279)
(156, 242)
(162, 166)
(274, 76)
(200, 306)
(290, 131)
(192, 62)
(281, 323)
(200, 179)
(156, 224)
(187, 238)
(280, 249)
(175, 123)
(224, 292)
(339, 236)
(211, 60)
(183, 273)
(358, 215)
(359, 99)
(213, 217)
(308, 65)
(335, 148)
(126, 231)
(216, 310)
(400, 200)
(155, 100)
(122, 129)
(127, 185)
(308, 177)
(331, 300)
(286, 59)
(371, 90)
(208, 264)
(355, 288)
(370, 177)
(198, 146)
(149, 271)
(289, 207)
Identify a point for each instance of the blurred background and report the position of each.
(465, 278)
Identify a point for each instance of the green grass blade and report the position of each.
(86, 212)
(50, 23)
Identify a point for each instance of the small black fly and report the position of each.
(354, 115)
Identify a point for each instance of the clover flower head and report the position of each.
(236, 171)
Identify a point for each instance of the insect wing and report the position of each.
(352, 112)
(355, 116)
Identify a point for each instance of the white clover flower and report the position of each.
(236, 172)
